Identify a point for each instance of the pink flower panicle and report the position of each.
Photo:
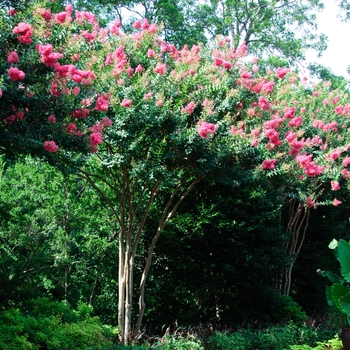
(126, 103)
(309, 202)
(24, 32)
(102, 102)
(336, 202)
(335, 185)
(205, 129)
(16, 74)
(12, 57)
(281, 72)
(50, 146)
(189, 108)
(268, 164)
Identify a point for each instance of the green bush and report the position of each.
(273, 338)
(333, 344)
(179, 343)
(40, 327)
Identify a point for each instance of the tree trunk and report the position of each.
(298, 222)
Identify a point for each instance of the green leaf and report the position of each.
(344, 259)
(331, 276)
(345, 303)
(333, 244)
(338, 292)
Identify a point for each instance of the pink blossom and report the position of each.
(115, 28)
(160, 68)
(318, 124)
(205, 129)
(268, 87)
(335, 100)
(296, 122)
(96, 128)
(63, 17)
(264, 104)
(333, 126)
(12, 12)
(150, 53)
(139, 69)
(137, 24)
(336, 202)
(80, 113)
(251, 112)
(246, 75)
(338, 109)
(346, 161)
(0, 92)
(48, 57)
(148, 96)
(290, 113)
(102, 102)
(189, 108)
(281, 72)
(95, 138)
(12, 57)
(309, 202)
(218, 61)
(76, 90)
(45, 14)
(106, 122)
(16, 74)
(126, 103)
(71, 128)
(25, 33)
(335, 185)
(269, 164)
(335, 154)
(51, 118)
(345, 173)
(159, 103)
(50, 146)
(227, 65)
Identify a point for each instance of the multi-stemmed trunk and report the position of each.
(130, 201)
(298, 221)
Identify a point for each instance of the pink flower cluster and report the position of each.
(50, 146)
(102, 102)
(269, 164)
(205, 129)
(48, 57)
(12, 57)
(308, 165)
(24, 32)
(16, 74)
(13, 117)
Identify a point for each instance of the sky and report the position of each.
(337, 56)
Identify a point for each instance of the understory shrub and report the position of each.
(52, 325)
(279, 337)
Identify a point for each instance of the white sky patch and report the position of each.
(337, 55)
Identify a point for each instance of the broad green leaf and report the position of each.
(345, 303)
(344, 259)
(338, 292)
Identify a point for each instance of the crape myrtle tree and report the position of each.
(143, 122)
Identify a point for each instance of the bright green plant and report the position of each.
(338, 294)
(51, 325)
(179, 343)
(332, 344)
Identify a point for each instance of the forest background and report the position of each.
(225, 250)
